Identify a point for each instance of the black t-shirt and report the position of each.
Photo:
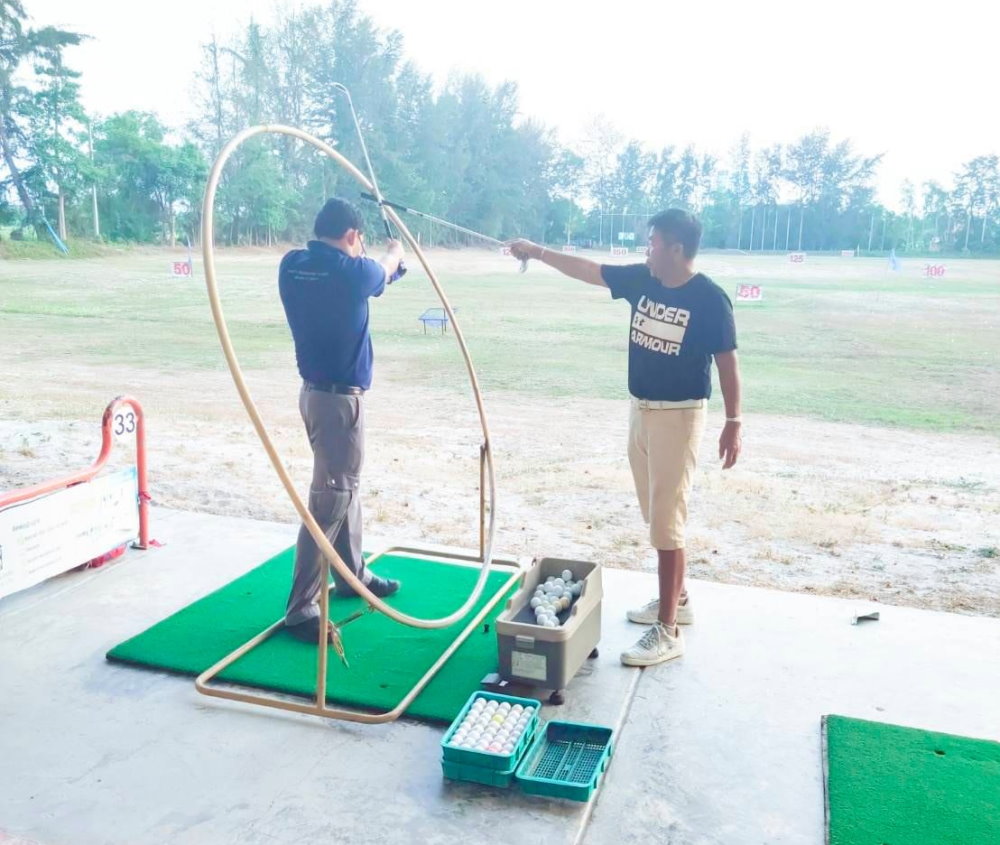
(325, 294)
(674, 332)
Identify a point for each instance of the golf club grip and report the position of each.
(373, 198)
(401, 270)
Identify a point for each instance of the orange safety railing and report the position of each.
(108, 434)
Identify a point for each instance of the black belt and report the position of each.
(334, 387)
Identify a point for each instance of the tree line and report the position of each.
(462, 152)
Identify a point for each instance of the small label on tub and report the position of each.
(534, 667)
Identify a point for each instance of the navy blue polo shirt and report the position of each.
(325, 295)
(674, 332)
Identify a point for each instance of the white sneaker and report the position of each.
(655, 646)
(650, 613)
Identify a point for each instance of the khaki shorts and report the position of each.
(663, 448)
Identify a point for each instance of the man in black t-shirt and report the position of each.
(681, 321)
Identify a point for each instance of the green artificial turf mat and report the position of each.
(386, 658)
(890, 785)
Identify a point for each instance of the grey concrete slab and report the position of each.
(722, 746)
(95, 752)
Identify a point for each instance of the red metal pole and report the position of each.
(107, 442)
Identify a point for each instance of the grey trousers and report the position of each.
(335, 425)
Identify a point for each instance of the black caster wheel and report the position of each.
(557, 697)
(593, 655)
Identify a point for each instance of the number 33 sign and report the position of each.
(124, 423)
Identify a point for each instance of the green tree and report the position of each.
(144, 180)
(42, 48)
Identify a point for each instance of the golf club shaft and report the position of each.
(432, 219)
(371, 170)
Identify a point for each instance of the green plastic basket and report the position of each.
(488, 759)
(566, 760)
(477, 774)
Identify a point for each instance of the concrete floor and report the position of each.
(722, 746)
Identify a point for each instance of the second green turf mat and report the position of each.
(386, 658)
(890, 785)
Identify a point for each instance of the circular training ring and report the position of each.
(208, 253)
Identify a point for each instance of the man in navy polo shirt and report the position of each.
(681, 320)
(325, 290)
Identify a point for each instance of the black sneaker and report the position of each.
(308, 630)
(381, 587)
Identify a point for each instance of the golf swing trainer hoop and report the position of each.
(487, 474)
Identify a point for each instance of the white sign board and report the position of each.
(797, 257)
(749, 293)
(847, 253)
(182, 269)
(568, 248)
(626, 236)
(48, 535)
(619, 250)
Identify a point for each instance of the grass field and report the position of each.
(834, 339)
(871, 399)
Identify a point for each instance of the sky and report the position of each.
(915, 82)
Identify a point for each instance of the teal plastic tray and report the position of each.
(489, 759)
(566, 760)
(477, 774)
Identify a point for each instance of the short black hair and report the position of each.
(335, 218)
(677, 226)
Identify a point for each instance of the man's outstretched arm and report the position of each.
(569, 265)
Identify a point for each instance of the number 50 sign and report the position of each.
(749, 293)
(181, 269)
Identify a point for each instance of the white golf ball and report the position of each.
(578, 588)
(567, 575)
(535, 602)
(559, 582)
